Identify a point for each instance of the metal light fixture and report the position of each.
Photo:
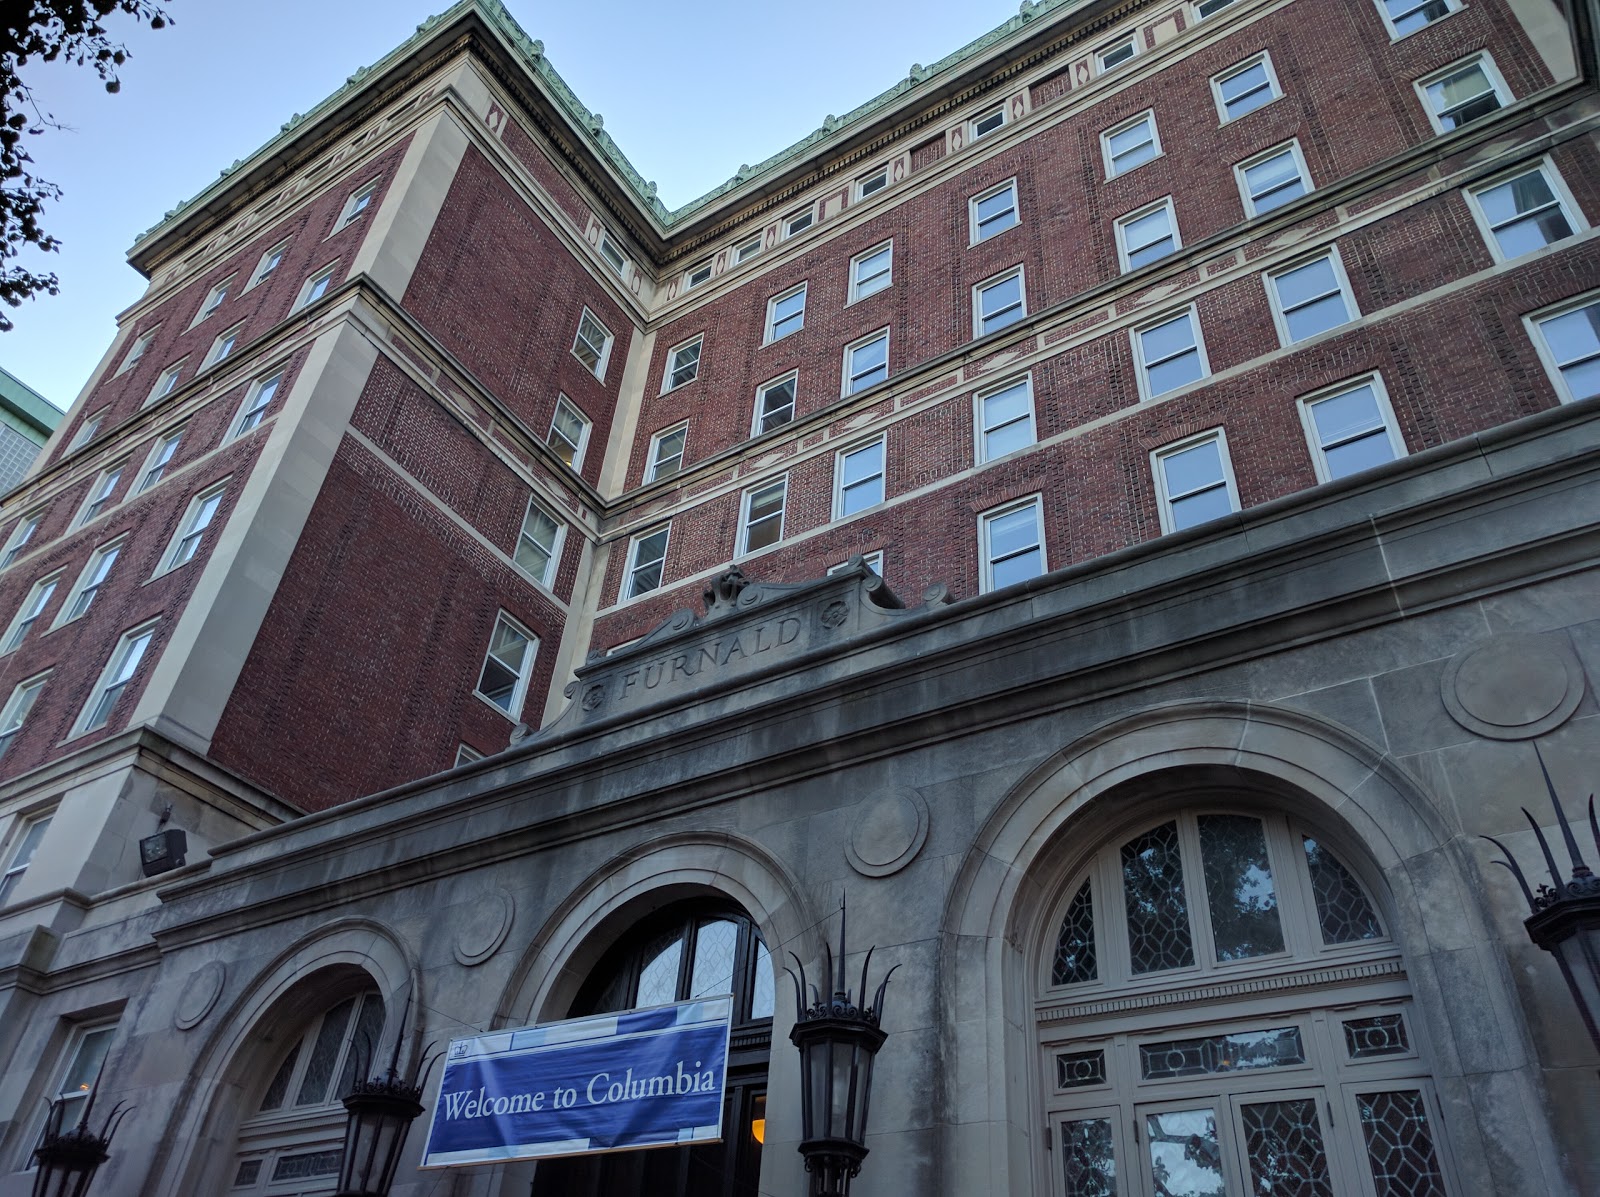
(67, 1160)
(1566, 915)
(379, 1115)
(838, 1043)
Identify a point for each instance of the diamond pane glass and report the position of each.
(1343, 911)
(1074, 1070)
(1075, 961)
(319, 1069)
(1158, 911)
(279, 1088)
(308, 1164)
(363, 1045)
(1400, 1145)
(1185, 1157)
(1243, 1051)
(713, 959)
(1239, 890)
(658, 979)
(1384, 1035)
(1089, 1157)
(1283, 1144)
(761, 994)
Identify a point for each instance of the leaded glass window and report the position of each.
(1088, 1156)
(1399, 1144)
(1343, 911)
(1074, 962)
(1243, 902)
(1158, 911)
(1284, 1148)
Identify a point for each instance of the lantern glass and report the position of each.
(1579, 954)
(375, 1135)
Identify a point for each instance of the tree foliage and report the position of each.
(45, 31)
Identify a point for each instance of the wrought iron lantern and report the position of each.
(379, 1115)
(67, 1160)
(838, 1043)
(1565, 918)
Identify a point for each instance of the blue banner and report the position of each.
(646, 1078)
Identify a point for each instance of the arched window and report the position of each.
(688, 950)
(291, 1144)
(1221, 1012)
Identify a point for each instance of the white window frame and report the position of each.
(780, 482)
(136, 351)
(519, 693)
(630, 575)
(984, 118)
(96, 572)
(1164, 501)
(980, 290)
(986, 558)
(320, 278)
(856, 280)
(866, 181)
(652, 469)
(583, 436)
(121, 667)
(1124, 254)
(611, 254)
(697, 275)
(215, 298)
(155, 460)
(747, 249)
(982, 429)
(88, 430)
(227, 341)
(977, 235)
(13, 718)
(466, 754)
(881, 444)
(798, 222)
(27, 526)
(872, 560)
(1209, 8)
(1452, 7)
(1147, 116)
(99, 498)
(764, 390)
(1129, 39)
(1142, 369)
(1558, 187)
(30, 612)
(697, 343)
(166, 382)
(1290, 147)
(772, 335)
(552, 563)
(69, 1064)
(1274, 88)
(263, 271)
(253, 411)
(848, 374)
(1497, 84)
(1535, 322)
(198, 517)
(1380, 395)
(604, 350)
(1280, 317)
(356, 205)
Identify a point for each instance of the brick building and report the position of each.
(1160, 459)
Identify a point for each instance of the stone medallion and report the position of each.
(199, 994)
(1513, 687)
(484, 927)
(889, 831)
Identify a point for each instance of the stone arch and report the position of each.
(1322, 773)
(319, 968)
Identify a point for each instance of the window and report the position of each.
(774, 404)
(1169, 354)
(223, 346)
(1147, 235)
(315, 287)
(1272, 179)
(99, 497)
(85, 1055)
(858, 475)
(12, 717)
(508, 666)
(872, 271)
(1245, 88)
(696, 275)
(569, 433)
(799, 222)
(1130, 144)
(1004, 419)
(987, 122)
(1012, 545)
(213, 300)
(592, 344)
(166, 383)
(160, 457)
(1194, 482)
(666, 451)
(993, 212)
(873, 561)
(1351, 429)
(202, 510)
(136, 351)
(1114, 55)
(466, 754)
(1569, 342)
(1205, 8)
(39, 596)
(873, 183)
(761, 521)
(94, 575)
(683, 365)
(999, 302)
(608, 250)
(257, 399)
(538, 549)
(1463, 93)
(647, 558)
(866, 363)
(747, 250)
(1408, 16)
(88, 430)
(1527, 211)
(269, 262)
(1310, 298)
(358, 203)
(21, 535)
(786, 313)
(119, 671)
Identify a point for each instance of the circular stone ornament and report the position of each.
(485, 928)
(889, 831)
(199, 995)
(1513, 687)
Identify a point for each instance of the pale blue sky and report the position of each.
(689, 91)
